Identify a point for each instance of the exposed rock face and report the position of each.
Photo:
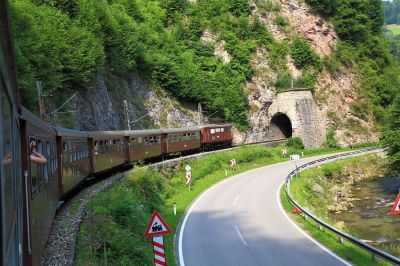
(219, 46)
(101, 107)
(312, 27)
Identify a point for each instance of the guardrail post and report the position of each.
(341, 240)
(374, 260)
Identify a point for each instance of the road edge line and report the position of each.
(278, 198)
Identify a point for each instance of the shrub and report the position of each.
(295, 143)
(331, 142)
(303, 55)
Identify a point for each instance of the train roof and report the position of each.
(36, 121)
(181, 130)
(65, 132)
(140, 133)
(105, 134)
(216, 125)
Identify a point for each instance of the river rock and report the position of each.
(318, 189)
(339, 225)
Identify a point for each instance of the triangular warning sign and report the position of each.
(157, 226)
(396, 207)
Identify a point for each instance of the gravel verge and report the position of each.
(60, 246)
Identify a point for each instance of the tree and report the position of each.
(391, 136)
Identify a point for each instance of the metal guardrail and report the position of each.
(374, 251)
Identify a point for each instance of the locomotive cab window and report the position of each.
(218, 130)
(212, 131)
(222, 129)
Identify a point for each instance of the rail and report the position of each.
(374, 251)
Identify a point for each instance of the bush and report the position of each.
(295, 143)
(331, 142)
(303, 55)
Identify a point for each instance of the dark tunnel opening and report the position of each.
(280, 127)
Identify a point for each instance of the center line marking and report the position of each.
(240, 235)
(235, 201)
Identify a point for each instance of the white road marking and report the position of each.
(304, 233)
(235, 201)
(240, 235)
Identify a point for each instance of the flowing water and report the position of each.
(371, 218)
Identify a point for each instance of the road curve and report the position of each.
(240, 221)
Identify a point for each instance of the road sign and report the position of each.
(396, 207)
(187, 168)
(157, 226)
(294, 157)
(232, 163)
(188, 179)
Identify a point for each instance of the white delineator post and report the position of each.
(159, 251)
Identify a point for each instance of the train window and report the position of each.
(65, 146)
(212, 131)
(7, 176)
(218, 130)
(222, 129)
(48, 165)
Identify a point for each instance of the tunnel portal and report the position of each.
(280, 127)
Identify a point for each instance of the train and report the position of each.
(42, 164)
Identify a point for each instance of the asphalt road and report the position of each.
(240, 221)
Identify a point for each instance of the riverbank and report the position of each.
(335, 192)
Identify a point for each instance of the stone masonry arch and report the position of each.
(303, 114)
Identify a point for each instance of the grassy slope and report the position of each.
(395, 29)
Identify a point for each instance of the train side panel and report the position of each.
(73, 157)
(180, 140)
(11, 185)
(42, 182)
(143, 144)
(108, 150)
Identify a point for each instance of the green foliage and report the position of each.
(391, 135)
(331, 142)
(295, 143)
(239, 7)
(327, 7)
(52, 47)
(303, 55)
(281, 21)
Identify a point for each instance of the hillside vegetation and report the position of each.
(67, 43)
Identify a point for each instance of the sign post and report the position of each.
(295, 158)
(396, 207)
(232, 163)
(188, 176)
(156, 228)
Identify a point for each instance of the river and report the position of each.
(371, 218)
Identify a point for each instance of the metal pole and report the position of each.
(40, 99)
(127, 114)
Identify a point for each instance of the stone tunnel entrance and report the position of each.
(280, 127)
